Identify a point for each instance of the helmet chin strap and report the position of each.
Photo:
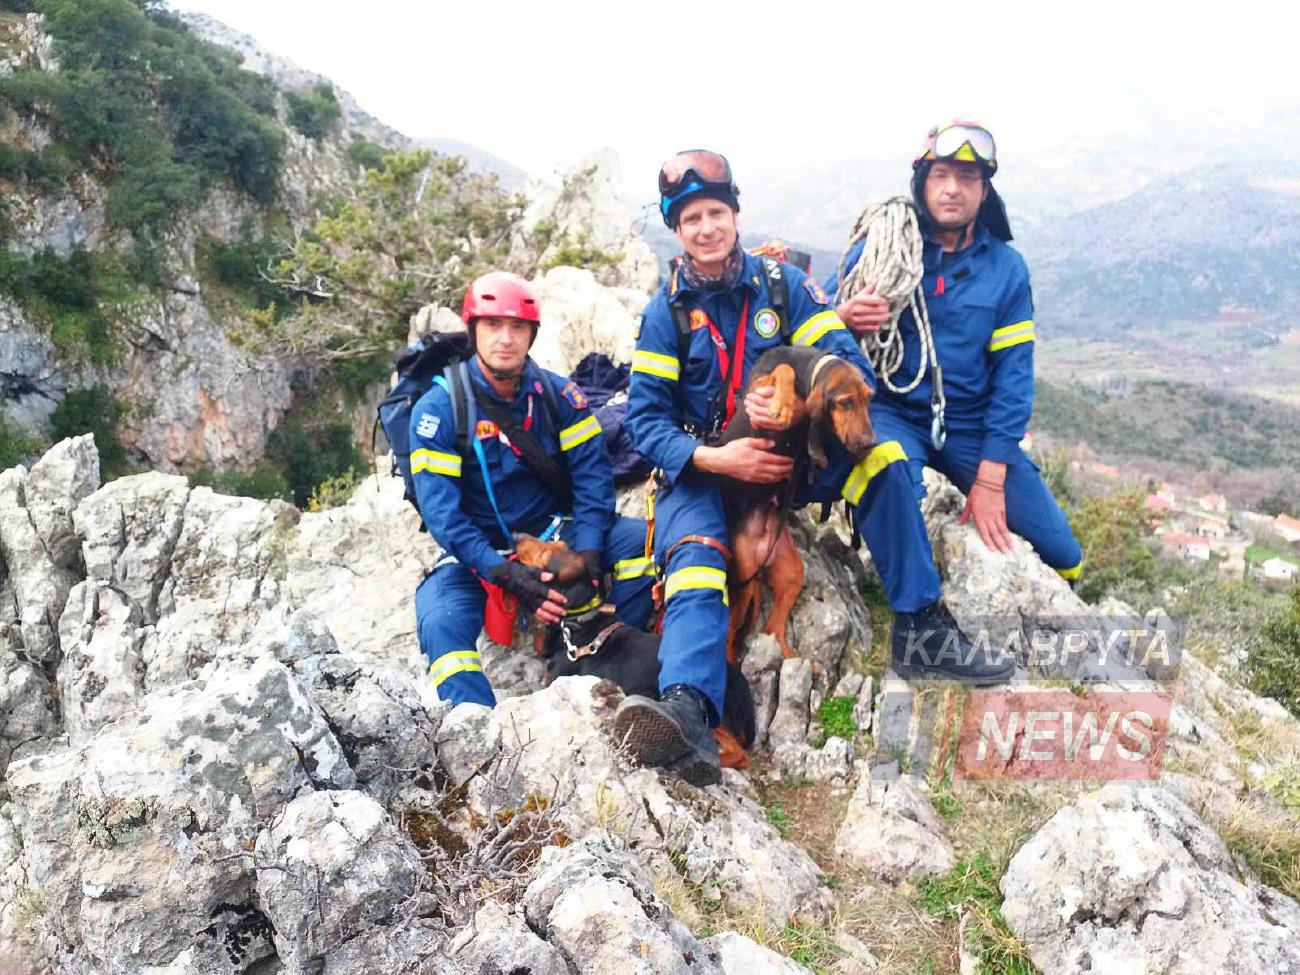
(500, 375)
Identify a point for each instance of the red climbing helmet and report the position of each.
(501, 294)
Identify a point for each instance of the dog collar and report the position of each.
(823, 361)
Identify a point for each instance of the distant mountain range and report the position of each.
(510, 177)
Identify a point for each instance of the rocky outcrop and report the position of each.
(1130, 879)
(225, 756)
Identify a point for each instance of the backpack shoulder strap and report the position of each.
(778, 289)
(551, 400)
(458, 386)
(681, 319)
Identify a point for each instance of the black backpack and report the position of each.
(445, 354)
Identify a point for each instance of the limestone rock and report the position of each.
(579, 316)
(719, 837)
(790, 725)
(738, 955)
(761, 665)
(599, 908)
(39, 585)
(1129, 879)
(66, 473)
(330, 867)
(833, 762)
(140, 838)
(128, 530)
(101, 676)
(503, 942)
(829, 624)
(29, 711)
(378, 719)
(468, 739)
(892, 830)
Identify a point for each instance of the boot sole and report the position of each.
(657, 742)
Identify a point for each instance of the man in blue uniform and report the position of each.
(473, 504)
(982, 319)
(684, 388)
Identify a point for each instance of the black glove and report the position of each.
(591, 570)
(523, 582)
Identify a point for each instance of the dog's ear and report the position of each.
(816, 417)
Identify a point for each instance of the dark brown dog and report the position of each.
(819, 396)
(598, 644)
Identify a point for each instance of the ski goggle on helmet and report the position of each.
(691, 171)
(961, 141)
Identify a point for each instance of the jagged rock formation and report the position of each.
(221, 755)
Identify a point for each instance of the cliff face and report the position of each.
(192, 397)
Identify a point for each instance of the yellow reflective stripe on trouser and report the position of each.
(881, 456)
(1009, 335)
(579, 433)
(696, 577)
(1071, 573)
(456, 662)
(654, 364)
(634, 568)
(435, 461)
(817, 326)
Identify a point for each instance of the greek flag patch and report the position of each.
(428, 425)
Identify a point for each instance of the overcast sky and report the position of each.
(774, 86)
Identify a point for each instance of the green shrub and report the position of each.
(314, 113)
(15, 447)
(96, 411)
(365, 153)
(143, 101)
(310, 456)
(1113, 532)
(1273, 669)
(238, 266)
(63, 293)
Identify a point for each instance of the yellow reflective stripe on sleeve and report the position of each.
(654, 364)
(696, 577)
(817, 326)
(1009, 335)
(881, 456)
(1071, 573)
(579, 433)
(585, 607)
(435, 461)
(634, 568)
(456, 662)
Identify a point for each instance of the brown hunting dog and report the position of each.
(603, 647)
(818, 396)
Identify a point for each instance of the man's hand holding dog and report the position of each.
(528, 585)
(746, 459)
(987, 505)
(865, 311)
(758, 407)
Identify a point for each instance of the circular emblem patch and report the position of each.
(766, 323)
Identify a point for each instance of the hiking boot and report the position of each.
(928, 645)
(672, 732)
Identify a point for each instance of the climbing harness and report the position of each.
(893, 260)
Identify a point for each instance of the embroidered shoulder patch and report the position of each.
(576, 397)
(699, 319)
(485, 430)
(815, 291)
(428, 425)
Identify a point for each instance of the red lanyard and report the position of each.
(528, 425)
(732, 369)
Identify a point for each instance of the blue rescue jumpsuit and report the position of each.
(669, 396)
(982, 319)
(470, 515)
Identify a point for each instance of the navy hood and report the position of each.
(992, 213)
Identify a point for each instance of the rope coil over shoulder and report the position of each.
(893, 259)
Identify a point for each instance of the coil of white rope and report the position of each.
(893, 261)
